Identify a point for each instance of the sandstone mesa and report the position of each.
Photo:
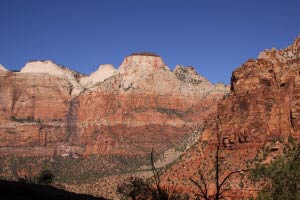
(87, 124)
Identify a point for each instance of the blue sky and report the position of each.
(213, 36)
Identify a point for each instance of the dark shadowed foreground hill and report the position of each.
(11, 190)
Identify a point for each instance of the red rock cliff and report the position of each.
(264, 99)
(50, 115)
(262, 106)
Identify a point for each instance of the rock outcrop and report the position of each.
(262, 109)
(264, 100)
(189, 74)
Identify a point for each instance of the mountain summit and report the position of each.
(2, 68)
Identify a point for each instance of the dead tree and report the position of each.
(156, 176)
(219, 184)
(220, 188)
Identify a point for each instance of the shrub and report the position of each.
(134, 188)
(280, 179)
(46, 177)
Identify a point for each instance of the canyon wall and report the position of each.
(86, 127)
(251, 124)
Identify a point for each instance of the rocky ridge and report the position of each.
(259, 114)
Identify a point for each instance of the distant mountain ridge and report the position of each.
(90, 127)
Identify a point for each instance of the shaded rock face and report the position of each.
(49, 112)
(261, 108)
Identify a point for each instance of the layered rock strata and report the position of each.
(106, 123)
(251, 123)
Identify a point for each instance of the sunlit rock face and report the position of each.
(281, 55)
(49, 67)
(264, 100)
(2, 68)
(103, 72)
(95, 112)
(141, 71)
(146, 103)
(54, 115)
(32, 112)
(262, 109)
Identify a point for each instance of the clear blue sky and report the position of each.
(213, 36)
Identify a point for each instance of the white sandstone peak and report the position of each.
(142, 61)
(104, 71)
(2, 68)
(42, 67)
(53, 69)
(139, 67)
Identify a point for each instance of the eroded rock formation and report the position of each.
(260, 112)
(92, 126)
(264, 101)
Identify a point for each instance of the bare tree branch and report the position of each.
(156, 176)
(224, 190)
(219, 192)
(204, 193)
(203, 181)
(231, 174)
